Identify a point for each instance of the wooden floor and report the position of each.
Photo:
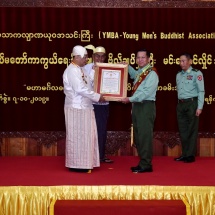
(30, 147)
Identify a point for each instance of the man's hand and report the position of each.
(125, 100)
(198, 112)
(102, 99)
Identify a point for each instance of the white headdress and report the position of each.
(97, 49)
(79, 50)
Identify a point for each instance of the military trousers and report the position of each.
(143, 117)
(188, 124)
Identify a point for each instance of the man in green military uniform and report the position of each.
(190, 88)
(143, 109)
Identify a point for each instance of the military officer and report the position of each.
(143, 109)
(190, 89)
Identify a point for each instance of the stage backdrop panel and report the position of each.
(36, 46)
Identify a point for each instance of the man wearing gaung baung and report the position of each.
(101, 109)
(82, 153)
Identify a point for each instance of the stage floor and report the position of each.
(51, 171)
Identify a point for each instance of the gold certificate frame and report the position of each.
(111, 80)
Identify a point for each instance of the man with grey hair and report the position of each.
(82, 152)
(101, 109)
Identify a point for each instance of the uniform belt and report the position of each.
(144, 102)
(147, 101)
(187, 100)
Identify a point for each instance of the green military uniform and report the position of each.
(144, 112)
(190, 88)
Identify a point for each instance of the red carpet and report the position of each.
(51, 171)
(98, 207)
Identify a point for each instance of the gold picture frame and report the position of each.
(111, 80)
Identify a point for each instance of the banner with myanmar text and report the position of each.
(36, 46)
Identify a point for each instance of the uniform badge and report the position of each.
(189, 77)
(199, 77)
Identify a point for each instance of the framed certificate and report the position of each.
(111, 80)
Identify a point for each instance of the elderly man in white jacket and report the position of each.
(82, 153)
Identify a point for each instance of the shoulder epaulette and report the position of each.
(195, 70)
(152, 69)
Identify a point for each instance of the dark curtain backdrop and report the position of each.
(18, 115)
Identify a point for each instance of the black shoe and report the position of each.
(135, 167)
(181, 158)
(106, 160)
(142, 170)
(80, 170)
(189, 159)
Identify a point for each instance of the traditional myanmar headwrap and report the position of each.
(97, 49)
(79, 50)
